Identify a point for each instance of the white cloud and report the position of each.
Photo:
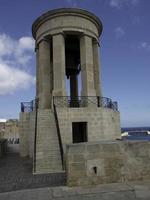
(120, 3)
(119, 32)
(6, 45)
(26, 43)
(19, 50)
(15, 56)
(12, 79)
(144, 45)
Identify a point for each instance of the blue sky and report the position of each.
(125, 53)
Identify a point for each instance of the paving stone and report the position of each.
(16, 174)
(34, 194)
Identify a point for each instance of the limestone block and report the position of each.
(108, 162)
(24, 129)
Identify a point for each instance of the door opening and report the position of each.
(79, 132)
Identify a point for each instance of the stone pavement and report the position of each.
(17, 182)
(129, 191)
(16, 174)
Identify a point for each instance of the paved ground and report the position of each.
(130, 191)
(16, 174)
(17, 182)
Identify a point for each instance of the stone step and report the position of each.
(47, 145)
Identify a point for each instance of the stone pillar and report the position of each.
(96, 68)
(44, 75)
(59, 65)
(86, 56)
(37, 70)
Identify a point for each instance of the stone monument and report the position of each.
(67, 47)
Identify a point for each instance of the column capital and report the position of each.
(60, 33)
(83, 35)
(96, 42)
(90, 36)
(44, 39)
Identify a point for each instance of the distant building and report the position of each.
(9, 129)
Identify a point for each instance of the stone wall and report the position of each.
(24, 130)
(102, 123)
(26, 133)
(31, 133)
(107, 162)
(9, 129)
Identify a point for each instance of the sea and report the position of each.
(136, 133)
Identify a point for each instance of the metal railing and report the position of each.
(59, 137)
(36, 104)
(84, 101)
(28, 106)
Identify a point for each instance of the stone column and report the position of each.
(44, 75)
(37, 70)
(59, 65)
(86, 56)
(97, 82)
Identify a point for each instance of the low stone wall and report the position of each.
(31, 134)
(24, 130)
(107, 162)
(3, 145)
(26, 133)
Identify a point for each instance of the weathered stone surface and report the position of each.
(103, 123)
(100, 192)
(48, 158)
(67, 43)
(108, 162)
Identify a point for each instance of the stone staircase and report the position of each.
(48, 158)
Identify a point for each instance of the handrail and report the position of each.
(84, 101)
(35, 135)
(28, 106)
(59, 136)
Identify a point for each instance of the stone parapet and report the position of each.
(108, 162)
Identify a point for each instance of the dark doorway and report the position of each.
(79, 132)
